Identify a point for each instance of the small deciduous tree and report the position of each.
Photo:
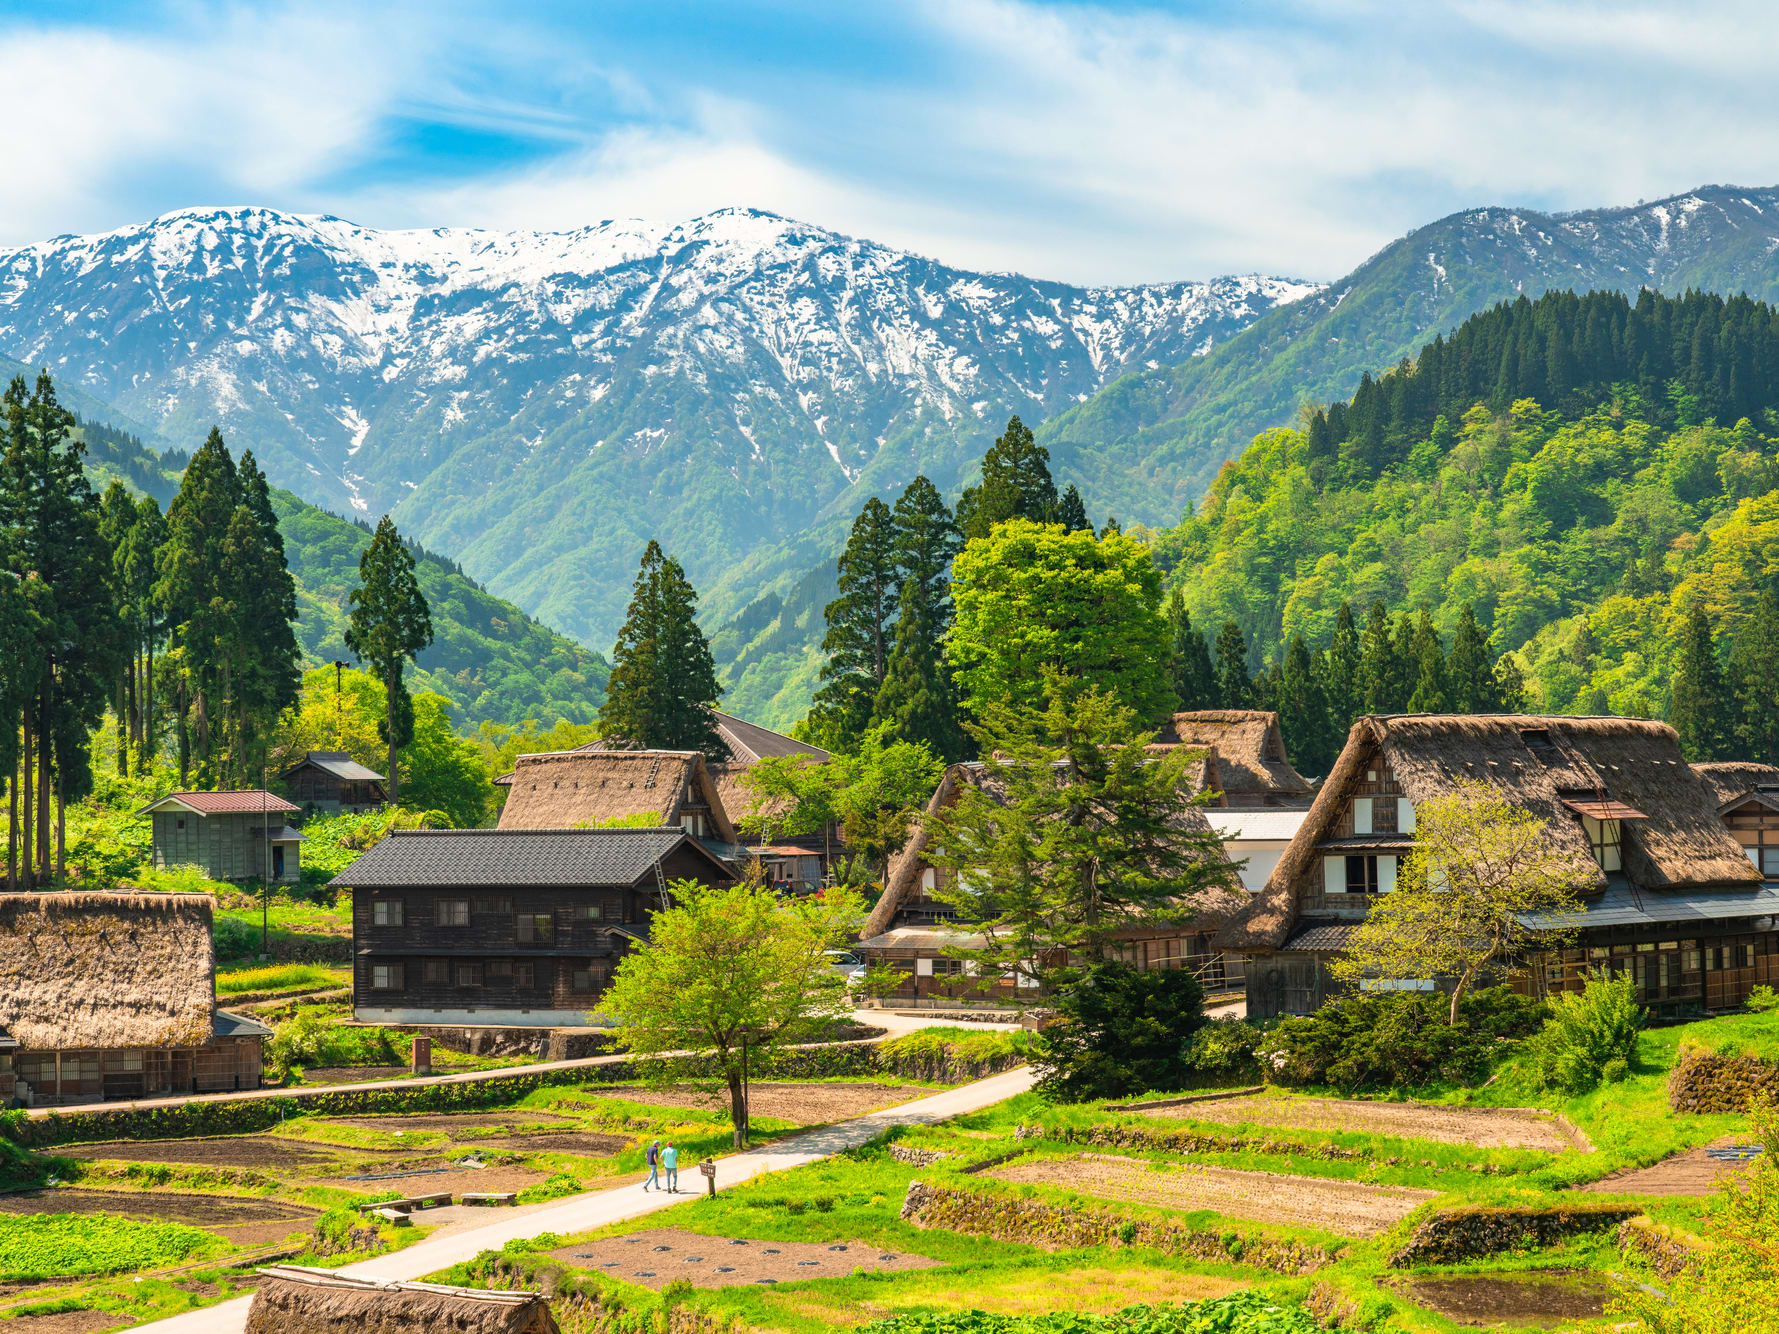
(1482, 886)
(730, 976)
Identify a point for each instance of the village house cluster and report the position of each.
(523, 925)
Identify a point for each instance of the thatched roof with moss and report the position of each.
(1541, 763)
(294, 1299)
(87, 970)
(1249, 749)
(573, 788)
(1728, 780)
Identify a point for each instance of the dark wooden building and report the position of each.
(113, 996)
(1677, 903)
(226, 835)
(507, 927)
(331, 782)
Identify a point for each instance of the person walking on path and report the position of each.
(654, 1157)
(670, 1160)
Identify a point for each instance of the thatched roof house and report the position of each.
(1616, 798)
(295, 1299)
(80, 971)
(1727, 780)
(1247, 754)
(586, 788)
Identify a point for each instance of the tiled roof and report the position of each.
(748, 742)
(1256, 823)
(251, 802)
(1319, 937)
(339, 764)
(1624, 905)
(422, 858)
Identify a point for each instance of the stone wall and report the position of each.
(1454, 1235)
(1708, 1081)
(907, 1153)
(1664, 1249)
(1034, 1222)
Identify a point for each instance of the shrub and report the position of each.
(1587, 1031)
(312, 1038)
(1120, 1030)
(1222, 1052)
(1762, 999)
(1396, 1039)
(554, 1188)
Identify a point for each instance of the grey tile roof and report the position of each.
(467, 857)
(339, 764)
(229, 1025)
(1623, 905)
(1319, 937)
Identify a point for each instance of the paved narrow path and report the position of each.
(617, 1204)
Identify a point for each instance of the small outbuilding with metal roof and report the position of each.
(332, 782)
(239, 835)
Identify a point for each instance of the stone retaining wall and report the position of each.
(1454, 1235)
(1708, 1081)
(1034, 1222)
(1664, 1249)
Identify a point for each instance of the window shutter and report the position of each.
(1386, 874)
(1334, 875)
(923, 967)
(1361, 815)
(1405, 816)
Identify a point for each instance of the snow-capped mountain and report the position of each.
(541, 403)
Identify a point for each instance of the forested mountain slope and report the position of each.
(1580, 469)
(490, 659)
(1152, 441)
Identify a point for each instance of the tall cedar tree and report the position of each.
(117, 522)
(1433, 689)
(272, 666)
(1189, 659)
(1016, 484)
(1345, 683)
(861, 622)
(1754, 668)
(1469, 670)
(388, 624)
(53, 538)
(1071, 510)
(1702, 706)
(1235, 688)
(1377, 677)
(143, 622)
(917, 695)
(1303, 708)
(663, 685)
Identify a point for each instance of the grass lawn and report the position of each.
(275, 978)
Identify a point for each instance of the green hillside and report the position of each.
(495, 663)
(1583, 471)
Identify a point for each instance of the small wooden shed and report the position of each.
(296, 1299)
(332, 782)
(227, 835)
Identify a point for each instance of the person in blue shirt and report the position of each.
(654, 1157)
(670, 1160)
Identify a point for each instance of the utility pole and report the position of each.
(339, 716)
(265, 893)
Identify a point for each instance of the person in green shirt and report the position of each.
(670, 1164)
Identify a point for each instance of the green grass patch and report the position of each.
(279, 977)
(35, 1246)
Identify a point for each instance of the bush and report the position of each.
(311, 1038)
(1222, 1052)
(554, 1188)
(1396, 1039)
(1120, 1030)
(1587, 1031)
(1762, 999)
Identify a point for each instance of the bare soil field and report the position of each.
(658, 1256)
(1694, 1172)
(1483, 1127)
(213, 1212)
(65, 1322)
(588, 1145)
(453, 1179)
(451, 1124)
(1528, 1300)
(1345, 1207)
(234, 1151)
(803, 1104)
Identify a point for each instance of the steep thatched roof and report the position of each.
(1539, 763)
(1249, 753)
(1726, 780)
(575, 787)
(106, 970)
(294, 1299)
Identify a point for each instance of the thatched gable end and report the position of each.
(293, 1299)
(566, 789)
(83, 971)
(1540, 763)
(1250, 760)
(1727, 780)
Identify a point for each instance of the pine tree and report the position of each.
(663, 685)
(144, 622)
(1701, 705)
(117, 521)
(388, 624)
(1303, 707)
(917, 699)
(1189, 659)
(1754, 669)
(1235, 689)
(860, 623)
(1433, 688)
(1469, 668)
(1016, 484)
(925, 540)
(1377, 666)
(1345, 672)
(1071, 511)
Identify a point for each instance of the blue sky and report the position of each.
(1088, 142)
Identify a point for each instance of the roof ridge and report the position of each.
(515, 832)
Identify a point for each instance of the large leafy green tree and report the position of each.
(1041, 609)
(1754, 671)
(1016, 484)
(663, 684)
(861, 623)
(389, 623)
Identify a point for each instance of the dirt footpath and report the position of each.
(1483, 1127)
(1694, 1172)
(802, 1104)
(1345, 1207)
(658, 1256)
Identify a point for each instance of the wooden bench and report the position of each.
(490, 1197)
(393, 1217)
(434, 1201)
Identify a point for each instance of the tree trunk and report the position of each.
(61, 826)
(180, 703)
(123, 744)
(389, 684)
(145, 760)
(12, 830)
(45, 731)
(27, 764)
